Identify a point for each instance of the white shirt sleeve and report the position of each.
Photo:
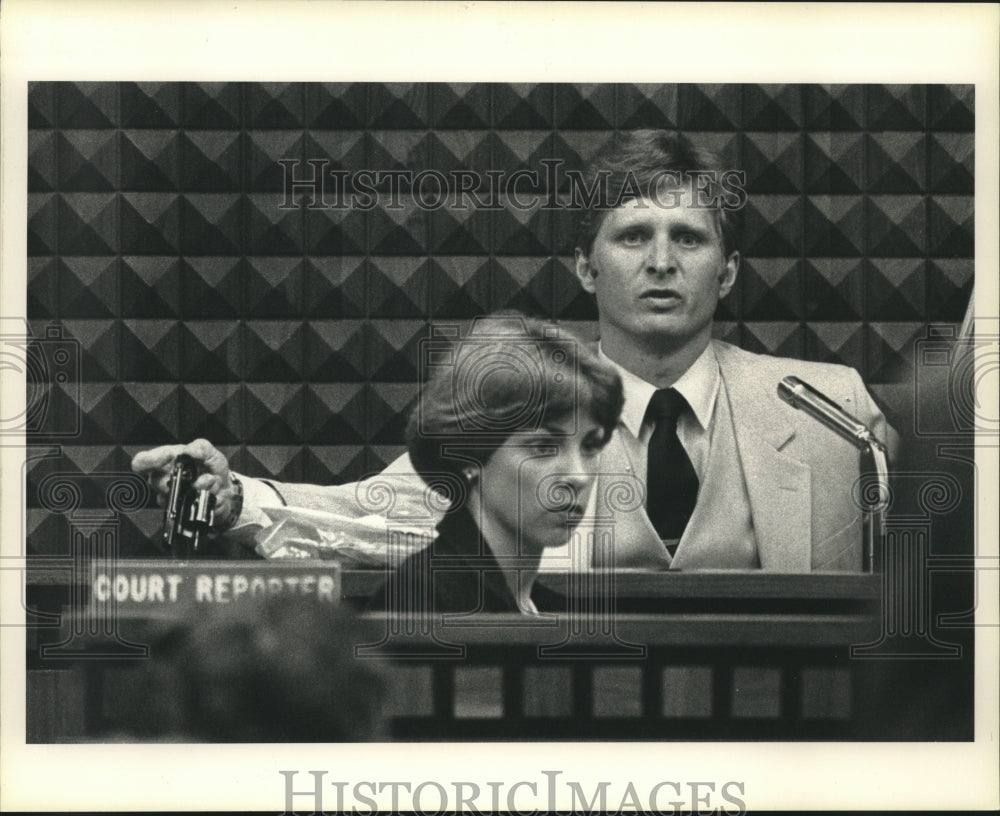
(346, 499)
(257, 496)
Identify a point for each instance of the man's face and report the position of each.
(658, 269)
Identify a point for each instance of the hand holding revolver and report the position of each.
(210, 472)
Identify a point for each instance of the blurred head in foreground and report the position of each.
(272, 669)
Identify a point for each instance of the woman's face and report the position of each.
(536, 485)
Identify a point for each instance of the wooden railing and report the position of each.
(686, 656)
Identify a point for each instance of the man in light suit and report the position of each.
(770, 488)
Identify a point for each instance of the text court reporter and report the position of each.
(735, 478)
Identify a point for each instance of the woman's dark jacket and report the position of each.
(456, 573)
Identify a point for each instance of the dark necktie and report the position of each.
(671, 483)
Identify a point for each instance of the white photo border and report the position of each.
(283, 41)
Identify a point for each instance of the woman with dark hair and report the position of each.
(517, 419)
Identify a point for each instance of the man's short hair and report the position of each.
(531, 375)
(641, 158)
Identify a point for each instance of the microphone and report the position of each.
(820, 407)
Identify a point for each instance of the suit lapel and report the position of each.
(778, 485)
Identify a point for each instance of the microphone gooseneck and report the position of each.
(801, 395)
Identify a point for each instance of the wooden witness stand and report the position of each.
(657, 656)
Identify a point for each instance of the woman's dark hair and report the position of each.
(511, 375)
(639, 159)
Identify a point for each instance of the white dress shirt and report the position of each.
(699, 385)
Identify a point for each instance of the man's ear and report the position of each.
(728, 276)
(584, 271)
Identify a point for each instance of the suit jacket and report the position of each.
(795, 477)
(799, 475)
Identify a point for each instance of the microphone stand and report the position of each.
(874, 508)
(803, 396)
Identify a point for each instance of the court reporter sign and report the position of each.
(153, 585)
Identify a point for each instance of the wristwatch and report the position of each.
(236, 505)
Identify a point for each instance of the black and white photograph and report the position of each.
(586, 430)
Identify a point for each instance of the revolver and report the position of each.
(189, 513)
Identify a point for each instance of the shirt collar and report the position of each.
(699, 385)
